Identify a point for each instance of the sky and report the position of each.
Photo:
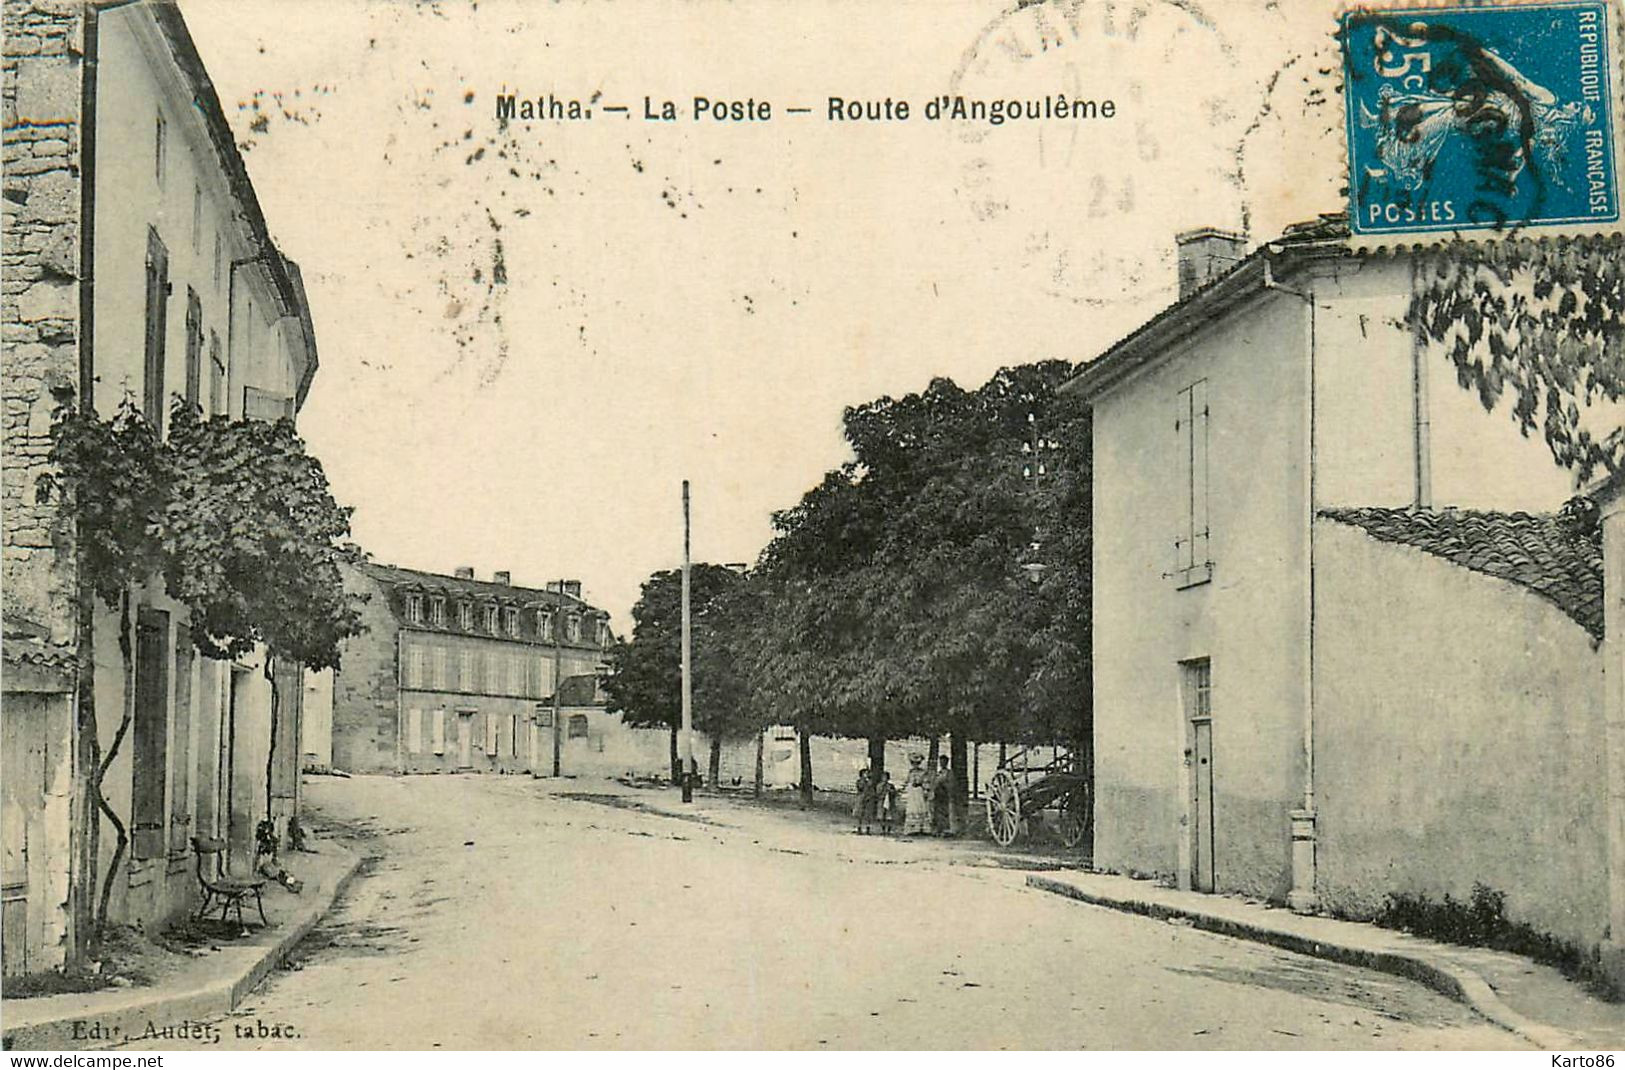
(530, 334)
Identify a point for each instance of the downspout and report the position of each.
(1302, 898)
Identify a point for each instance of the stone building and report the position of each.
(1346, 643)
(456, 674)
(137, 264)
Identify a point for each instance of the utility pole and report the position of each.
(558, 621)
(688, 683)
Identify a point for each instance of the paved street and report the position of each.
(498, 912)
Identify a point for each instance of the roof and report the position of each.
(1556, 556)
(456, 589)
(1322, 238)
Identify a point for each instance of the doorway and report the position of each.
(465, 739)
(1198, 696)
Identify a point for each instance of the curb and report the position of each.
(1457, 982)
(212, 999)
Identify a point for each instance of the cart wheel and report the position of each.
(1003, 808)
(1074, 821)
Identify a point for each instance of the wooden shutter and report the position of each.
(217, 381)
(440, 731)
(414, 730)
(180, 791)
(152, 394)
(150, 750)
(1200, 550)
(194, 348)
(491, 734)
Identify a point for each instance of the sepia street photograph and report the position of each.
(839, 526)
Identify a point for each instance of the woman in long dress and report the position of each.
(916, 812)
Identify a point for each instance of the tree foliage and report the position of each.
(1541, 321)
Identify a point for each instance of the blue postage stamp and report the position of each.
(1481, 118)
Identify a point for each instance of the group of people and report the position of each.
(923, 804)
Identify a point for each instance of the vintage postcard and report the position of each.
(836, 526)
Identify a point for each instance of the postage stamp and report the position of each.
(1483, 120)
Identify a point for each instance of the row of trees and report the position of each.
(235, 521)
(937, 584)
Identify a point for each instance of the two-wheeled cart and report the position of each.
(1026, 784)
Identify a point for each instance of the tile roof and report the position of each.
(1556, 556)
(457, 589)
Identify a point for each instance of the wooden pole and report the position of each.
(688, 688)
(558, 625)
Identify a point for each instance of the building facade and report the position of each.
(139, 266)
(456, 674)
(1307, 674)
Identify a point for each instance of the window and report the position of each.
(544, 626)
(197, 218)
(465, 616)
(572, 628)
(217, 384)
(414, 609)
(441, 662)
(1198, 689)
(437, 611)
(603, 634)
(414, 730)
(152, 393)
(465, 671)
(578, 726)
(194, 348)
(414, 670)
(1192, 544)
(510, 621)
(160, 150)
(440, 730)
(491, 735)
(491, 619)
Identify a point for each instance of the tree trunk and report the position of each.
(804, 741)
(931, 754)
(761, 743)
(714, 771)
(959, 801)
(877, 757)
(127, 656)
(676, 759)
(85, 822)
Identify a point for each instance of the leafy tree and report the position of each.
(1541, 320)
(645, 682)
(235, 519)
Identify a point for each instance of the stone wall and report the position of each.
(365, 714)
(40, 253)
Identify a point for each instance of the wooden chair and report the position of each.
(223, 890)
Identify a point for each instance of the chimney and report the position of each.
(1205, 254)
(464, 572)
(572, 588)
(503, 577)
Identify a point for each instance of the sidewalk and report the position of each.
(202, 988)
(1536, 1002)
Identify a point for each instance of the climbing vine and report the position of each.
(1542, 321)
(235, 518)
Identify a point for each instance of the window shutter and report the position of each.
(1182, 437)
(440, 731)
(152, 393)
(414, 730)
(491, 734)
(150, 760)
(1200, 549)
(194, 348)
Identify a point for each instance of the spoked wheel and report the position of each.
(1074, 823)
(1003, 808)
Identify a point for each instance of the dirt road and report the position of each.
(497, 912)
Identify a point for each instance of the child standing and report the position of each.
(886, 802)
(864, 810)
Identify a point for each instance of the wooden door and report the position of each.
(465, 741)
(1202, 806)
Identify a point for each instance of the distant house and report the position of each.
(454, 674)
(1344, 643)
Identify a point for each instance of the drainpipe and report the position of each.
(1302, 898)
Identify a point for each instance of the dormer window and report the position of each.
(414, 609)
(437, 611)
(603, 634)
(465, 616)
(572, 628)
(544, 626)
(491, 619)
(510, 621)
